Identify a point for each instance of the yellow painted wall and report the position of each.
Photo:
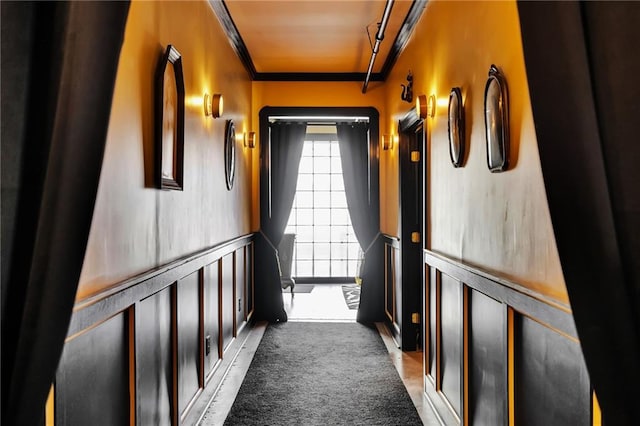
(309, 94)
(135, 226)
(498, 222)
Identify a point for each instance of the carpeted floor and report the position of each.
(322, 374)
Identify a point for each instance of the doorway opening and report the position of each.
(325, 254)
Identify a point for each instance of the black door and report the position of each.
(411, 233)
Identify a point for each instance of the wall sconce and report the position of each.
(431, 106)
(388, 141)
(250, 140)
(426, 107)
(213, 105)
(421, 106)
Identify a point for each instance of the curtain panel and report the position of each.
(69, 68)
(582, 76)
(280, 159)
(364, 210)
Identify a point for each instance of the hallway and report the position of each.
(493, 199)
(324, 303)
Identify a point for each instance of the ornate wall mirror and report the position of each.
(230, 153)
(496, 120)
(169, 120)
(456, 127)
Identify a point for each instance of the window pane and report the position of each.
(305, 182)
(339, 268)
(321, 165)
(354, 251)
(322, 182)
(304, 234)
(339, 217)
(322, 251)
(322, 200)
(304, 251)
(338, 199)
(338, 251)
(321, 149)
(336, 165)
(305, 216)
(305, 164)
(307, 149)
(337, 184)
(322, 216)
(335, 149)
(304, 268)
(322, 234)
(339, 234)
(304, 199)
(322, 268)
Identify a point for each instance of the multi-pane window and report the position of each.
(326, 245)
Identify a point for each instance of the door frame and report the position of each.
(411, 196)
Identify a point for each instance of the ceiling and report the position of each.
(316, 39)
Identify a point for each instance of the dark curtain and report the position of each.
(364, 210)
(280, 159)
(583, 67)
(59, 64)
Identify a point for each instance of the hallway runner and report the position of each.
(322, 374)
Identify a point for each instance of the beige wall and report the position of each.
(498, 222)
(135, 226)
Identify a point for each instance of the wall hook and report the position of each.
(407, 91)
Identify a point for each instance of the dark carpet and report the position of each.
(351, 293)
(322, 374)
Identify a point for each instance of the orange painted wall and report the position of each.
(310, 94)
(135, 226)
(497, 221)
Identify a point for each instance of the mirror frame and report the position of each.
(498, 159)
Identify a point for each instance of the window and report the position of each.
(326, 245)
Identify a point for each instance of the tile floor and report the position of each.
(324, 303)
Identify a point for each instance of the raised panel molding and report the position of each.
(451, 347)
(96, 387)
(188, 340)
(211, 309)
(154, 359)
(227, 297)
(499, 354)
(552, 382)
(135, 353)
(241, 285)
(392, 287)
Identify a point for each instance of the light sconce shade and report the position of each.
(431, 106)
(250, 140)
(213, 105)
(421, 106)
(426, 107)
(388, 141)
